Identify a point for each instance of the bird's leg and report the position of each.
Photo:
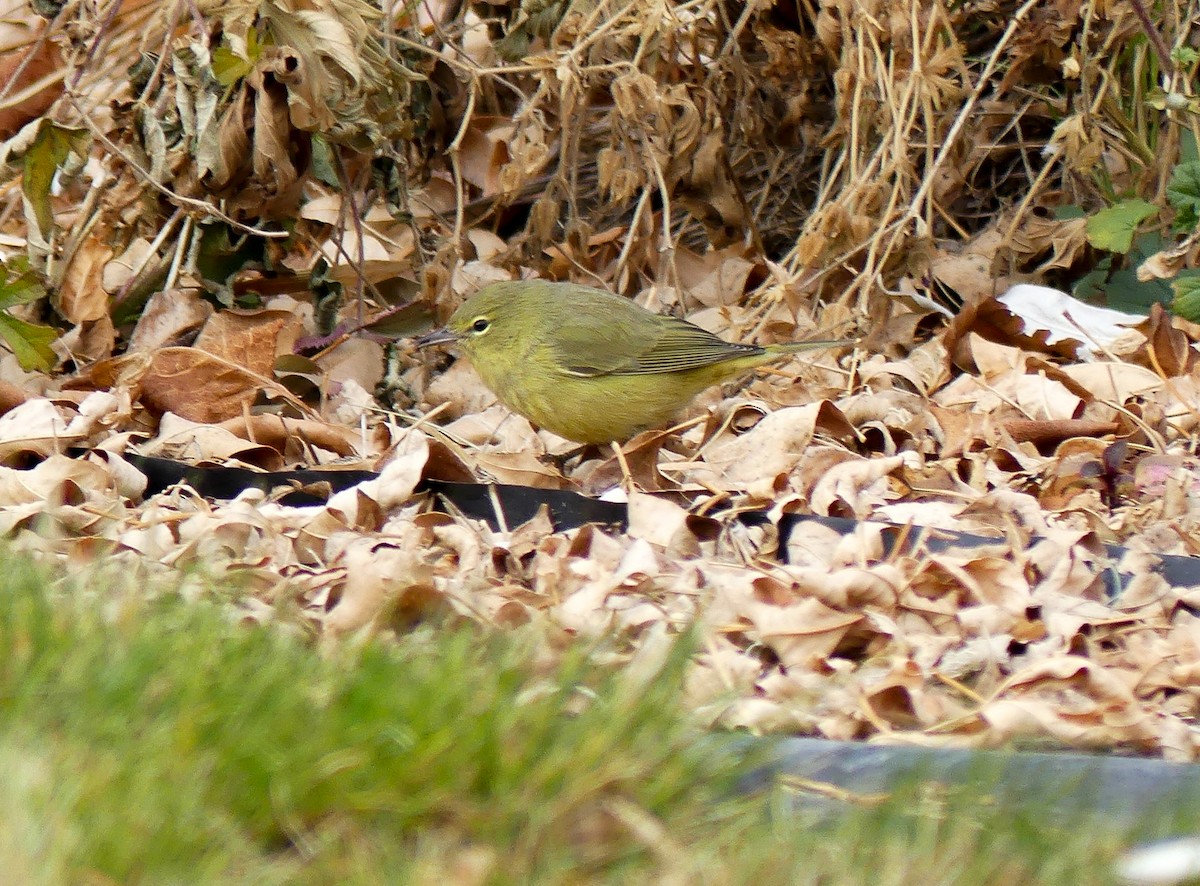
(578, 455)
(627, 482)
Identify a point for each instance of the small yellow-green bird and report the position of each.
(589, 365)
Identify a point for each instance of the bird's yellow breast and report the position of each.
(599, 408)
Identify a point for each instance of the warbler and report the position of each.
(589, 365)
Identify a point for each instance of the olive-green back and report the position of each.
(598, 333)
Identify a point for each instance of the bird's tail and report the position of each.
(795, 347)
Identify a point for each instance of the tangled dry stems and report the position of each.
(843, 144)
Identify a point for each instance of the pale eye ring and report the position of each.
(480, 325)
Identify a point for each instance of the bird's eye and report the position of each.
(480, 325)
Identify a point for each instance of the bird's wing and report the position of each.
(616, 345)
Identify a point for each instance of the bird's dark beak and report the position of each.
(437, 337)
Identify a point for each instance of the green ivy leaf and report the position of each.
(1112, 229)
(1186, 303)
(1183, 193)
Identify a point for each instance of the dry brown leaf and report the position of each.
(282, 433)
(1073, 700)
(380, 577)
(802, 634)
(202, 387)
(757, 461)
(192, 441)
(854, 486)
(31, 67)
(520, 469)
(1168, 349)
(250, 339)
(81, 298)
(168, 318)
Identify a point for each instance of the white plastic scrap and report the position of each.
(1065, 317)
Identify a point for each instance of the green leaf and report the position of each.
(1187, 146)
(229, 67)
(221, 257)
(1186, 303)
(50, 149)
(1070, 211)
(322, 161)
(29, 342)
(1114, 282)
(1125, 292)
(1091, 286)
(1185, 56)
(1183, 193)
(1113, 228)
(18, 284)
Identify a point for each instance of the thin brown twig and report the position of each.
(1155, 37)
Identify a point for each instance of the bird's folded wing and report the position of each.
(585, 349)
